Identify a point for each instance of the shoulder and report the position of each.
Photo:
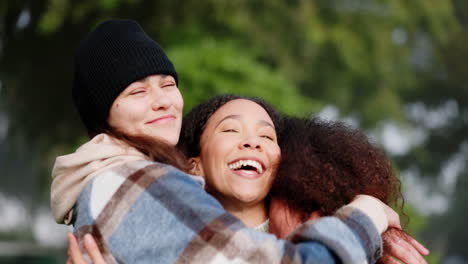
(129, 181)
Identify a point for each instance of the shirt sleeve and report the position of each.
(145, 212)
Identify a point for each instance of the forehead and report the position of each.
(240, 107)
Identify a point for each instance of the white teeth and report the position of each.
(253, 163)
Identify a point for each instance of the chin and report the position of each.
(249, 198)
(171, 140)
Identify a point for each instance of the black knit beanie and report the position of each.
(111, 57)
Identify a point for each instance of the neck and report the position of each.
(251, 215)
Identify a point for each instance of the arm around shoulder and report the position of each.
(153, 213)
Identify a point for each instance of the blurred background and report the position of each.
(396, 69)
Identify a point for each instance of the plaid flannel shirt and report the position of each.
(147, 212)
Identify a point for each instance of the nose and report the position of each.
(160, 99)
(250, 143)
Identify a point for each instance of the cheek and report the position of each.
(213, 155)
(124, 115)
(275, 155)
(136, 111)
(116, 116)
(177, 100)
(210, 160)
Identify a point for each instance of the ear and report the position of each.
(197, 168)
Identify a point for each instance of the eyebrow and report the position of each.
(141, 81)
(266, 123)
(163, 76)
(263, 122)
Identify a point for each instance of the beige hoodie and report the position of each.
(72, 172)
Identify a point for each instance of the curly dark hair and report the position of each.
(195, 121)
(326, 164)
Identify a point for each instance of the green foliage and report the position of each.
(54, 16)
(416, 222)
(209, 67)
(434, 258)
(344, 54)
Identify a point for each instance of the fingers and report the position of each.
(74, 252)
(418, 246)
(403, 251)
(93, 250)
(386, 259)
(413, 242)
(398, 245)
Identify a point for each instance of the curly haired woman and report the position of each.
(324, 166)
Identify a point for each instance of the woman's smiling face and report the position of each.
(150, 107)
(239, 153)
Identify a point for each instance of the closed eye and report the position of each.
(139, 91)
(268, 137)
(230, 130)
(168, 85)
